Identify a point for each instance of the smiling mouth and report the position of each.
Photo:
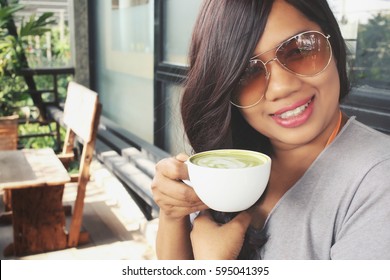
(295, 112)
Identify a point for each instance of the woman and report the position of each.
(268, 76)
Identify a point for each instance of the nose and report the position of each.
(281, 82)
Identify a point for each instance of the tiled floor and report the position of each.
(117, 228)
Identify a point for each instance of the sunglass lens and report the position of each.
(253, 80)
(305, 54)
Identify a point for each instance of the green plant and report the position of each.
(12, 94)
(8, 45)
(12, 55)
(7, 60)
(372, 64)
(39, 142)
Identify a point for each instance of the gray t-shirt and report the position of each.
(340, 208)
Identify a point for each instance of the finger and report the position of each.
(164, 199)
(177, 211)
(182, 157)
(174, 189)
(173, 168)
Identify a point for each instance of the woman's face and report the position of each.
(295, 110)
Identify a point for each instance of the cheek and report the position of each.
(258, 119)
(329, 83)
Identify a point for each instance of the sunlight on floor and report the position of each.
(125, 250)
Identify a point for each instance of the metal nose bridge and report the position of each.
(268, 73)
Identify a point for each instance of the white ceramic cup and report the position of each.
(229, 180)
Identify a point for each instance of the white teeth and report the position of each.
(293, 113)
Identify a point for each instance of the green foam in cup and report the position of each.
(228, 159)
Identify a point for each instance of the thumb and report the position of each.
(182, 157)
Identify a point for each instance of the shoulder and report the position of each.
(360, 156)
(364, 221)
(366, 163)
(363, 133)
(358, 141)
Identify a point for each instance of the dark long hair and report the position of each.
(224, 38)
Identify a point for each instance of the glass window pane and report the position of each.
(366, 27)
(132, 25)
(179, 19)
(175, 139)
(123, 63)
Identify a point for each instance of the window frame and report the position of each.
(164, 73)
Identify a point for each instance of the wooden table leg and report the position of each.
(38, 220)
(7, 200)
(6, 216)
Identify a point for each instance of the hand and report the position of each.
(213, 241)
(175, 199)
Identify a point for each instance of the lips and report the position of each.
(295, 114)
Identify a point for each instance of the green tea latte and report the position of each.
(227, 159)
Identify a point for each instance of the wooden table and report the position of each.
(33, 182)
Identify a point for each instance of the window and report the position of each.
(179, 17)
(175, 20)
(121, 34)
(366, 28)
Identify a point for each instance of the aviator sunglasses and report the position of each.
(306, 54)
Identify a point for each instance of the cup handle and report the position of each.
(187, 182)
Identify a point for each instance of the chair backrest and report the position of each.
(80, 110)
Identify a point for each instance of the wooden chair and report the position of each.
(37, 211)
(81, 116)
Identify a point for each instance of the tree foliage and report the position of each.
(372, 64)
(12, 54)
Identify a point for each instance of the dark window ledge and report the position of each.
(370, 106)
